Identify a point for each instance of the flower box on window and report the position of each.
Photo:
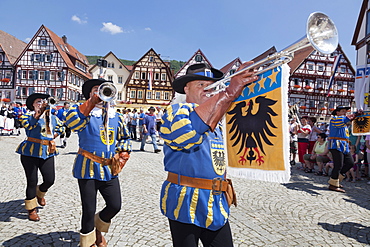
(297, 86)
(323, 108)
(351, 91)
(307, 87)
(331, 109)
(5, 80)
(6, 100)
(320, 89)
(303, 107)
(341, 90)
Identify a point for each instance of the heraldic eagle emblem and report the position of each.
(361, 124)
(252, 131)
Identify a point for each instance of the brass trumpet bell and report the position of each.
(107, 92)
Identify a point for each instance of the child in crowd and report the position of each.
(351, 173)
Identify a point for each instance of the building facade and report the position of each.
(49, 64)
(115, 71)
(149, 82)
(10, 49)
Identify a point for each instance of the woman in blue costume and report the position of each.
(38, 150)
(193, 195)
(93, 164)
(339, 146)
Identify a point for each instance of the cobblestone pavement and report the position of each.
(302, 212)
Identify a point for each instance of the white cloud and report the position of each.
(27, 40)
(78, 19)
(147, 29)
(111, 28)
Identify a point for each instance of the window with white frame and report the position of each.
(42, 75)
(156, 76)
(24, 74)
(43, 42)
(320, 68)
(149, 94)
(163, 76)
(120, 79)
(110, 78)
(30, 75)
(139, 94)
(137, 75)
(37, 58)
(48, 58)
(133, 94)
(119, 96)
(310, 66)
(143, 75)
(52, 75)
(166, 95)
(157, 95)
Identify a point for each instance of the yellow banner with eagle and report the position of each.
(256, 129)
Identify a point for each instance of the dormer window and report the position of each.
(198, 58)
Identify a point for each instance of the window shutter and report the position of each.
(62, 76)
(47, 75)
(32, 55)
(35, 75)
(19, 74)
(42, 58)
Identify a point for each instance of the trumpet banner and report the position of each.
(256, 129)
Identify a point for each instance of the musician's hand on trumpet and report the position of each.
(212, 110)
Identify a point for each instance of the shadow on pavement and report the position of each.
(68, 238)
(350, 230)
(12, 209)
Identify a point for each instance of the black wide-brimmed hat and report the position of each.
(199, 71)
(33, 97)
(334, 112)
(89, 84)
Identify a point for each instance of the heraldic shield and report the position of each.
(256, 129)
(103, 136)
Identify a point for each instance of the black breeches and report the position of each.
(188, 235)
(111, 192)
(31, 165)
(342, 163)
(67, 133)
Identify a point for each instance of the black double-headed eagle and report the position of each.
(250, 130)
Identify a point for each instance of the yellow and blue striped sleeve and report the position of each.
(339, 121)
(28, 121)
(123, 136)
(75, 120)
(181, 126)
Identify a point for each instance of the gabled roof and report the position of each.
(187, 64)
(66, 51)
(228, 66)
(156, 54)
(299, 57)
(269, 52)
(12, 46)
(359, 22)
(109, 53)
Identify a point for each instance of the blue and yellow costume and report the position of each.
(91, 132)
(192, 150)
(339, 134)
(36, 128)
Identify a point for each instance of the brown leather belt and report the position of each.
(35, 140)
(338, 138)
(94, 157)
(216, 184)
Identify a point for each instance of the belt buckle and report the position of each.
(216, 186)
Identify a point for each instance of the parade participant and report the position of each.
(18, 112)
(192, 196)
(100, 157)
(62, 113)
(38, 150)
(339, 147)
(150, 129)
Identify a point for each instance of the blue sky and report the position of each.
(223, 30)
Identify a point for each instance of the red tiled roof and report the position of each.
(67, 51)
(12, 46)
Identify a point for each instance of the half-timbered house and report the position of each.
(309, 82)
(231, 67)
(115, 71)
(10, 49)
(149, 82)
(198, 57)
(49, 64)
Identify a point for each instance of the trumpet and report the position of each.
(321, 34)
(52, 101)
(107, 92)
